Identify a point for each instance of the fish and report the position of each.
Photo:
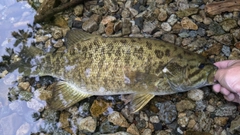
(95, 65)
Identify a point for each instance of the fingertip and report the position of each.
(229, 97)
(216, 88)
(224, 91)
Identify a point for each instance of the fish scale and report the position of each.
(94, 65)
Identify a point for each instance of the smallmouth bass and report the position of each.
(95, 65)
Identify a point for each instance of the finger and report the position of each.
(224, 64)
(216, 88)
(224, 91)
(229, 97)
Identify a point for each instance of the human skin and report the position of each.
(228, 76)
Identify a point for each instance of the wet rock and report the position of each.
(167, 111)
(133, 11)
(201, 32)
(78, 10)
(25, 95)
(132, 129)
(172, 19)
(107, 127)
(35, 105)
(235, 54)
(90, 25)
(99, 107)
(117, 119)
(201, 105)
(23, 129)
(236, 33)
(88, 124)
(195, 45)
(182, 119)
(108, 19)
(149, 26)
(117, 26)
(146, 131)
(235, 126)
(97, 18)
(188, 24)
(127, 114)
(42, 94)
(196, 94)
(226, 50)
(162, 132)
(24, 86)
(216, 28)
(191, 123)
(60, 22)
(154, 119)
(59, 43)
(143, 116)
(215, 49)
(228, 24)
(57, 33)
(125, 13)
(185, 105)
(226, 110)
(135, 29)
(166, 26)
(109, 29)
(126, 26)
(221, 121)
(169, 38)
(225, 39)
(64, 116)
(162, 16)
(39, 39)
(187, 12)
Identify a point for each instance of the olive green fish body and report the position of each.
(95, 65)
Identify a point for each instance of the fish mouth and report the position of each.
(211, 76)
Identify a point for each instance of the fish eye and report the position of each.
(201, 66)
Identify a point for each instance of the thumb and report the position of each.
(220, 76)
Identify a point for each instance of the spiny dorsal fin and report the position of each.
(139, 101)
(75, 35)
(65, 95)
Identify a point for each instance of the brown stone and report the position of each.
(221, 121)
(188, 24)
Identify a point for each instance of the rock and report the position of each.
(135, 29)
(167, 111)
(90, 25)
(108, 19)
(126, 26)
(99, 107)
(127, 114)
(3, 74)
(109, 29)
(237, 45)
(23, 129)
(143, 116)
(39, 39)
(107, 127)
(35, 105)
(63, 119)
(78, 10)
(169, 38)
(125, 13)
(57, 33)
(166, 26)
(235, 126)
(149, 26)
(97, 18)
(201, 32)
(88, 124)
(228, 24)
(162, 16)
(139, 22)
(60, 22)
(196, 94)
(133, 11)
(216, 29)
(210, 108)
(25, 95)
(221, 121)
(112, 5)
(187, 12)
(182, 119)
(162, 132)
(225, 39)
(197, 18)
(195, 45)
(188, 24)
(132, 129)
(196, 133)
(172, 19)
(117, 26)
(24, 86)
(42, 94)
(235, 54)
(204, 121)
(146, 131)
(117, 119)
(226, 110)
(191, 123)
(154, 119)
(215, 49)
(226, 50)
(185, 105)
(236, 33)
(58, 44)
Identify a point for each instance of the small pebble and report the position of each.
(117, 119)
(166, 26)
(88, 124)
(195, 95)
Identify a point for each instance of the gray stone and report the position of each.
(78, 10)
(185, 105)
(226, 110)
(216, 28)
(172, 19)
(196, 94)
(154, 119)
(112, 5)
(90, 25)
(166, 26)
(197, 18)
(147, 131)
(210, 108)
(167, 111)
(169, 38)
(117, 119)
(226, 50)
(162, 16)
(225, 39)
(126, 26)
(228, 24)
(149, 26)
(235, 126)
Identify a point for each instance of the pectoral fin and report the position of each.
(65, 95)
(139, 101)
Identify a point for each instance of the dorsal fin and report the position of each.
(75, 35)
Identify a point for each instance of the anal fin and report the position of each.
(139, 101)
(65, 95)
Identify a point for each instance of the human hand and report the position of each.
(228, 76)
